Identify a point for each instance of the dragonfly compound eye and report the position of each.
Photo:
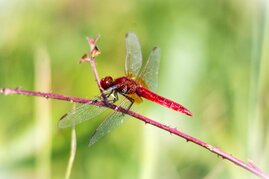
(106, 82)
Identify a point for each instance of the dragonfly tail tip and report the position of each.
(187, 112)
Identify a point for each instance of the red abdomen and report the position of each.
(145, 93)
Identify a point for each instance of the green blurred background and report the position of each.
(214, 60)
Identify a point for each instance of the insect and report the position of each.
(138, 83)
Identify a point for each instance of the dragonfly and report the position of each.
(138, 83)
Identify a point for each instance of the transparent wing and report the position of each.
(112, 121)
(149, 73)
(133, 59)
(80, 114)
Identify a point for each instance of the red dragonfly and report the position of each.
(137, 84)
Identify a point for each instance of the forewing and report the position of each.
(112, 121)
(149, 73)
(80, 114)
(133, 59)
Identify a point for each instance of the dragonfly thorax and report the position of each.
(123, 85)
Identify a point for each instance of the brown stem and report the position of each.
(248, 166)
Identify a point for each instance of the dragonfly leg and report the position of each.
(109, 94)
(131, 100)
(116, 97)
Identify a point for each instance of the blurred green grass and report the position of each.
(214, 60)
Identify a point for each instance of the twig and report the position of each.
(94, 52)
(250, 167)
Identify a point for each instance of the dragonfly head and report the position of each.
(106, 82)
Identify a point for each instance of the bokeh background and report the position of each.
(214, 60)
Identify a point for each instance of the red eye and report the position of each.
(106, 82)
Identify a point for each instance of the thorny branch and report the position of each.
(250, 166)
